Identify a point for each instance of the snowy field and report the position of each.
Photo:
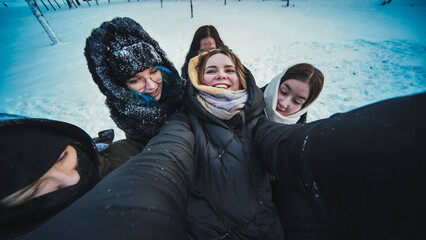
(366, 51)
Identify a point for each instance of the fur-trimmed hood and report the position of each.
(115, 52)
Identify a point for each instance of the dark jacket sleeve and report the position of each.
(143, 199)
(116, 154)
(367, 165)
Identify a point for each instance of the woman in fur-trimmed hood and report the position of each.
(119, 51)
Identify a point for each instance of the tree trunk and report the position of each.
(37, 13)
(192, 11)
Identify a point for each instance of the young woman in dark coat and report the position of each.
(288, 97)
(366, 166)
(205, 38)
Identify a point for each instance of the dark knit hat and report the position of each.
(27, 152)
(130, 60)
(115, 52)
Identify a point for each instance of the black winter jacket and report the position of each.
(145, 198)
(302, 220)
(365, 166)
(231, 195)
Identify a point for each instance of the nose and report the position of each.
(64, 175)
(150, 84)
(221, 75)
(284, 102)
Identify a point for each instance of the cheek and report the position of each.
(136, 85)
(207, 79)
(293, 108)
(235, 84)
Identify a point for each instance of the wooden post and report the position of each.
(192, 11)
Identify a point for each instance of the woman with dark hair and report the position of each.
(288, 97)
(290, 94)
(205, 38)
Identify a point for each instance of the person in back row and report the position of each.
(205, 38)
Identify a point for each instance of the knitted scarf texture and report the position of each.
(223, 105)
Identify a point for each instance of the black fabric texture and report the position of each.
(366, 166)
(302, 220)
(144, 198)
(19, 220)
(115, 52)
(27, 152)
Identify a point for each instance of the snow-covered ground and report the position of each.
(366, 51)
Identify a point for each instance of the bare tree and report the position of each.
(37, 13)
(192, 11)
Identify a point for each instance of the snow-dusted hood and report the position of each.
(271, 96)
(115, 52)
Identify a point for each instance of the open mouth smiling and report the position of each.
(222, 85)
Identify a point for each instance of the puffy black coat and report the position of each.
(145, 198)
(366, 166)
(231, 194)
(302, 220)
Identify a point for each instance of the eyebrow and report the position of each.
(211, 66)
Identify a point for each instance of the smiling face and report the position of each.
(292, 94)
(149, 82)
(62, 174)
(220, 72)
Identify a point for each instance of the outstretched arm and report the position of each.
(143, 199)
(368, 165)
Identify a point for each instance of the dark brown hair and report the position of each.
(202, 32)
(307, 73)
(239, 68)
